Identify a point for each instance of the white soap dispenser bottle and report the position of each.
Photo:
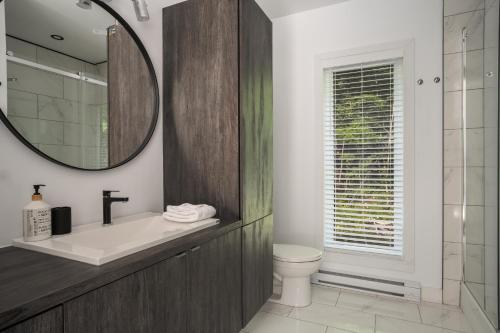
(37, 223)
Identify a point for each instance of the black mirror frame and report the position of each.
(156, 103)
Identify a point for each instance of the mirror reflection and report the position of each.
(78, 86)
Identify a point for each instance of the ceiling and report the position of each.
(273, 8)
(36, 20)
(278, 8)
(84, 31)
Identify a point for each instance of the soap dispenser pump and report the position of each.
(36, 218)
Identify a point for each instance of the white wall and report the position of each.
(357, 23)
(141, 179)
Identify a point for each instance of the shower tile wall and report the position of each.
(51, 111)
(459, 14)
(481, 227)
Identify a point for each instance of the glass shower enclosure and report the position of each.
(480, 144)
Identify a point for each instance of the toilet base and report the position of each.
(295, 291)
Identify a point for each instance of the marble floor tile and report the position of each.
(341, 318)
(337, 330)
(442, 316)
(277, 309)
(269, 323)
(357, 312)
(391, 325)
(325, 295)
(380, 306)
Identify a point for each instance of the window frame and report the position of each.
(352, 57)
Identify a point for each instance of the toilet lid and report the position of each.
(295, 253)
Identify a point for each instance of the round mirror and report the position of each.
(76, 84)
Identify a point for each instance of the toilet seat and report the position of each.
(295, 253)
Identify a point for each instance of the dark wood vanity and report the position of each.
(189, 284)
(218, 150)
(218, 124)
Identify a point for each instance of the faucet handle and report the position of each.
(107, 193)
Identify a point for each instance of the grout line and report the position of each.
(466, 12)
(421, 324)
(302, 320)
(420, 314)
(316, 323)
(290, 312)
(468, 51)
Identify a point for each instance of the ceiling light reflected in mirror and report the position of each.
(84, 4)
(141, 10)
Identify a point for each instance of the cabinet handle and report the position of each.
(181, 255)
(196, 248)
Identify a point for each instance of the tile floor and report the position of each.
(340, 311)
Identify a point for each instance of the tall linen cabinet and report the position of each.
(218, 125)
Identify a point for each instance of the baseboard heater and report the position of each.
(400, 289)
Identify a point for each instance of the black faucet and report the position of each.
(107, 200)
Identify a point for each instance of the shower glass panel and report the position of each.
(92, 101)
(480, 159)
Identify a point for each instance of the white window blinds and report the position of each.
(363, 158)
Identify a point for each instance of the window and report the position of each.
(363, 157)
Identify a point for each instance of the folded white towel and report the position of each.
(189, 213)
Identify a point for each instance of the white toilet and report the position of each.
(294, 265)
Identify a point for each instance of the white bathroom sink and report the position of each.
(97, 244)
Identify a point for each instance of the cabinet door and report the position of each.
(47, 322)
(257, 247)
(200, 112)
(214, 291)
(149, 301)
(131, 101)
(256, 112)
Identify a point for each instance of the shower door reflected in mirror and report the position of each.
(480, 159)
(80, 89)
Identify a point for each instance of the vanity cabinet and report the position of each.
(218, 107)
(197, 291)
(214, 287)
(151, 300)
(256, 112)
(47, 322)
(218, 126)
(257, 261)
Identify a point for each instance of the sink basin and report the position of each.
(97, 244)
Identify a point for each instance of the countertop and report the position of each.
(33, 282)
